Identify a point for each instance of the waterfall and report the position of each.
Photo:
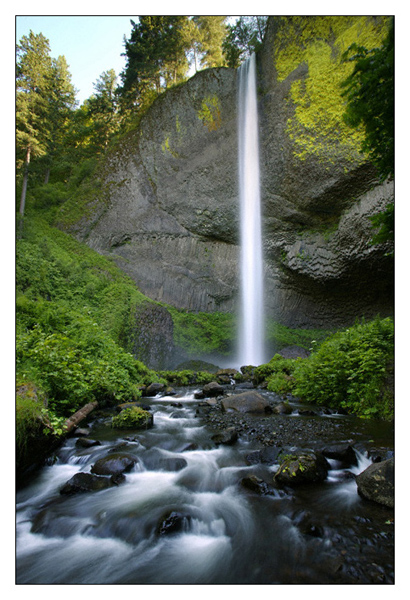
(251, 327)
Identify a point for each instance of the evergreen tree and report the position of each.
(155, 58)
(211, 34)
(33, 71)
(244, 38)
(60, 105)
(45, 98)
(103, 107)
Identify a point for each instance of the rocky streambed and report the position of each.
(211, 492)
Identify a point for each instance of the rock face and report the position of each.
(153, 342)
(170, 215)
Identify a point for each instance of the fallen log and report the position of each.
(78, 416)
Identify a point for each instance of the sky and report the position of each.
(90, 44)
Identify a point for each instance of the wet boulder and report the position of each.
(114, 464)
(246, 402)
(86, 482)
(255, 484)
(343, 453)
(172, 464)
(305, 467)
(84, 442)
(376, 483)
(268, 455)
(227, 437)
(283, 408)
(174, 522)
(153, 389)
(212, 389)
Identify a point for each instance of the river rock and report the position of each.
(302, 468)
(212, 389)
(154, 388)
(255, 484)
(268, 455)
(283, 408)
(246, 402)
(87, 443)
(227, 437)
(174, 522)
(114, 464)
(86, 482)
(172, 464)
(377, 483)
(343, 453)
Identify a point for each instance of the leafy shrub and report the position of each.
(187, 377)
(280, 336)
(76, 370)
(349, 370)
(278, 372)
(133, 417)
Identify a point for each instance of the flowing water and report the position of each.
(322, 533)
(251, 335)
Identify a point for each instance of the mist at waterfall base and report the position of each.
(251, 347)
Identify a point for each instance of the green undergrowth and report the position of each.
(352, 369)
(75, 313)
(279, 336)
(203, 334)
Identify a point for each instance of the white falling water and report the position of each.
(251, 331)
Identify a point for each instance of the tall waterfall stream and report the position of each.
(318, 533)
(251, 334)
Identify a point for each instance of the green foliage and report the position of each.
(28, 422)
(349, 370)
(203, 333)
(187, 377)
(280, 336)
(369, 91)
(155, 57)
(317, 126)
(78, 366)
(384, 222)
(74, 321)
(278, 372)
(132, 417)
(244, 37)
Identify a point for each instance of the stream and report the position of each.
(182, 515)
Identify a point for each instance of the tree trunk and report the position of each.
(77, 417)
(23, 193)
(25, 180)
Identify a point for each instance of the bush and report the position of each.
(278, 372)
(133, 417)
(350, 369)
(77, 369)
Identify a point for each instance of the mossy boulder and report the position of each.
(302, 468)
(133, 417)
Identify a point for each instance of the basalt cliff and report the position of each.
(170, 215)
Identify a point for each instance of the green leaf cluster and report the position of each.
(187, 377)
(278, 372)
(75, 313)
(369, 91)
(133, 417)
(350, 370)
